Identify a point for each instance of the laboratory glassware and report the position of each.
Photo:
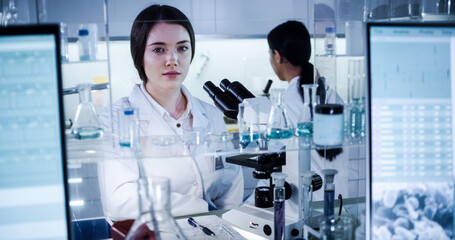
(307, 197)
(329, 193)
(154, 210)
(330, 41)
(249, 128)
(64, 42)
(127, 117)
(305, 122)
(337, 229)
(86, 124)
(278, 204)
(278, 125)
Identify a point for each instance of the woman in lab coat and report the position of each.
(290, 52)
(162, 48)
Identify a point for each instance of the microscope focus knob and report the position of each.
(316, 182)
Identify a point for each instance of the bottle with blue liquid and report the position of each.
(86, 124)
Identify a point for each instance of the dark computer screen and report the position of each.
(411, 108)
(32, 151)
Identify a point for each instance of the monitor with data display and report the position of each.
(411, 108)
(33, 196)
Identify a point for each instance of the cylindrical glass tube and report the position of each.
(278, 204)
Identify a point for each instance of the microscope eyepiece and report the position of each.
(236, 90)
(222, 101)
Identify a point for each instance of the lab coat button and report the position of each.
(194, 183)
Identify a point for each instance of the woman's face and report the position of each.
(167, 56)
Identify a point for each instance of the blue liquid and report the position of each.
(246, 139)
(329, 204)
(87, 132)
(279, 220)
(125, 144)
(304, 129)
(277, 133)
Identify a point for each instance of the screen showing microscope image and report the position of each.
(411, 109)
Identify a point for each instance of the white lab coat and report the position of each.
(294, 102)
(194, 181)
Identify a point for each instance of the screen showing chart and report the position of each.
(32, 179)
(411, 89)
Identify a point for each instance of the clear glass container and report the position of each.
(126, 120)
(86, 124)
(278, 125)
(155, 220)
(249, 128)
(278, 204)
(305, 122)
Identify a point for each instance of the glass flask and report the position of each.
(249, 128)
(86, 124)
(155, 220)
(278, 125)
(305, 122)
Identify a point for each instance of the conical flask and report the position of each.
(86, 124)
(278, 125)
(156, 190)
(305, 122)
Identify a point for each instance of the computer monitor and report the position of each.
(33, 196)
(411, 100)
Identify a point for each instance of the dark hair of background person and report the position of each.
(292, 40)
(145, 21)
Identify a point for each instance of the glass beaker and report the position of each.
(155, 220)
(86, 124)
(278, 125)
(249, 128)
(337, 229)
(305, 123)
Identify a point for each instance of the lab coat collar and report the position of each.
(138, 99)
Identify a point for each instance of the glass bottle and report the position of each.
(278, 204)
(155, 220)
(126, 120)
(305, 122)
(86, 124)
(278, 125)
(329, 41)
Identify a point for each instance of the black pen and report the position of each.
(193, 223)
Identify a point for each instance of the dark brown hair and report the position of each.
(292, 40)
(145, 21)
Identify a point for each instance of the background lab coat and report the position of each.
(294, 102)
(191, 182)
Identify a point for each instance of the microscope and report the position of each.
(259, 218)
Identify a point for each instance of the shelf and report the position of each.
(74, 90)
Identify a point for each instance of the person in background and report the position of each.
(162, 48)
(290, 52)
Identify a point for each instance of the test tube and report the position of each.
(278, 203)
(329, 193)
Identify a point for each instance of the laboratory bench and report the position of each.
(84, 156)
